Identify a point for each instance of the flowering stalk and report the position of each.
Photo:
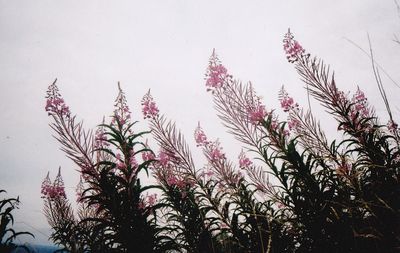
(75, 141)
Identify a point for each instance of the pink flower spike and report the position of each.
(287, 102)
(200, 137)
(122, 113)
(149, 107)
(293, 124)
(360, 104)
(216, 153)
(55, 190)
(46, 186)
(163, 158)
(257, 114)
(244, 162)
(216, 73)
(55, 104)
(292, 48)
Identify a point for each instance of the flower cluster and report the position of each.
(244, 161)
(200, 137)
(216, 73)
(292, 48)
(55, 190)
(293, 124)
(287, 102)
(148, 202)
(55, 103)
(216, 153)
(256, 112)
(149, 107)
(360, 105)
(100, 138)
(122, 113)
(164, 158)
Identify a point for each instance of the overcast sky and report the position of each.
(164, 46)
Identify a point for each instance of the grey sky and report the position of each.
(163, 45)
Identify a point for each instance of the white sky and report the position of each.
(165, 46)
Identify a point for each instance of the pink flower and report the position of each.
(293, 124)
(200, 137)
(148, 202)
(55, 103)
(57, 106)
(121, 112)
(287, 102)
(292, 48)
(207, 173)
(58, 186)
(100, 138)
(244, 162)
(216, 73)
(79, 190)
(163, 158)
(257, 114)
(149, 107)
(46, 186)
(216, 153)
(360, 104)
(147, 156)
(172, 180)
(55, 190)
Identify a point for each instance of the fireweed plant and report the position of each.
(116, 213)
(331, 195)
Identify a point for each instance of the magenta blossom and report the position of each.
(200, 137)
(100, 138)
(55, 103)
(216, 153)
(147, 156)
(164, 158)
(257, 114)
(244, 161)
(148, 202)
(55, 190)
(287, 102)
(216, 73)
(360, 105)
(292, 48)
(122, 113)
(149, 107)
(293, 124)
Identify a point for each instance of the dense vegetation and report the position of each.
(291, 190)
